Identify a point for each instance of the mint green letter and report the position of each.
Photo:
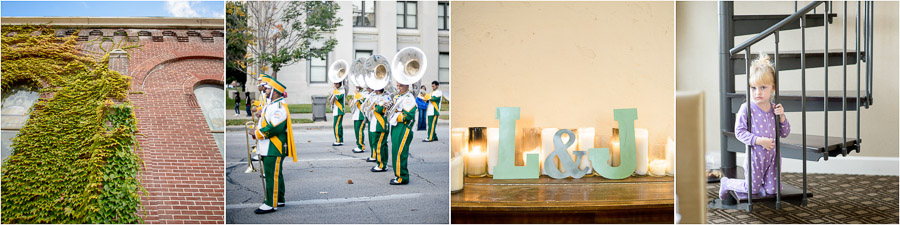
(506, 161)
(627, 149)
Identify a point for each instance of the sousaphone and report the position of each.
(409, 63)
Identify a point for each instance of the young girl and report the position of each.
(761, 137)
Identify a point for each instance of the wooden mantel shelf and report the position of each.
(546, 200)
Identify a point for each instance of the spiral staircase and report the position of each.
(734, 60)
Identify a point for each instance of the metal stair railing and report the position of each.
(800, 14)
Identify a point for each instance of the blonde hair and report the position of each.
(761, 71)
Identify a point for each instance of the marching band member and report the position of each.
(379, 130)
(275, 139)
(434, 108)
(409, 66)
(373, 157)
(402, 133)
(359, 121)
(337, 110)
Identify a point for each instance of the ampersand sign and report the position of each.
(628, 151)
(565, 161)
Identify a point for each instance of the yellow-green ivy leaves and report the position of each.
(75, 160)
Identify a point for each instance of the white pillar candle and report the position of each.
(546, 145)
(643, 149)
(658, 167)
(456, 173)
(477, 162)
(456, 143)
(493, 148)
(585, 142)
(670, 156)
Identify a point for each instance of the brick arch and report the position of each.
(175, 135)
(144, 73)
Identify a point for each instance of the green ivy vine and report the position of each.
(76, 158)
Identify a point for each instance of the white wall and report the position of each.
(384, 39)
(566, 65)
(697, 69)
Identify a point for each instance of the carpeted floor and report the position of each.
(837, 199)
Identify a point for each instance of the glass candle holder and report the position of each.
(615, 154)
(531, 144)
(658, 163)
(457, 141)
(476, 157)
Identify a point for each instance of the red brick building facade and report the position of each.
(183, 166)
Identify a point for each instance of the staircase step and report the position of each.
(790, 60)
(791, 100)
(754, 24)
(792, 145)
(789, 193)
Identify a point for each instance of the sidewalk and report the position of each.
(347, 123)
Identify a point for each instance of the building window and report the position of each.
(365, 54)
(406, 15)
(318, 68)
(364, 13)
(443, 15)
(17, 102)
(209, 97)
(444, 68)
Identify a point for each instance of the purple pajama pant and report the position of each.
(765, 173)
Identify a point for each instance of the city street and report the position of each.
(318, 189)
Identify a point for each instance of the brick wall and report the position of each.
(184, 171)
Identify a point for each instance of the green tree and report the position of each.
(238, 36)
(284, 33)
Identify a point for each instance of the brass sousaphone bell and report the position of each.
(377, 76)
(337, 73)
(357, 73)
(409, 63)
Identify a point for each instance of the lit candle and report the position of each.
(614, 152)
(456, 174)
(477, 164)
(476, 158)
(546, 145)
(658, 167)
(493, 148)
(670, 156)
(642, 147)
(585, 142)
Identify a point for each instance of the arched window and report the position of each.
(17, 102)
(210, 98)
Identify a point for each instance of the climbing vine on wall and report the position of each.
(75, 160)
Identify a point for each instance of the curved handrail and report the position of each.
(762, 35)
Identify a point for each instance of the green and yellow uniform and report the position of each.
(337, 110)
(379, 131)
(359, 121)
(434, 110)
(276, 141)
(402, 134)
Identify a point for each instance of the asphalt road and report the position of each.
(318, 189)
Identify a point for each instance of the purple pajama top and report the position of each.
(763, 125)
